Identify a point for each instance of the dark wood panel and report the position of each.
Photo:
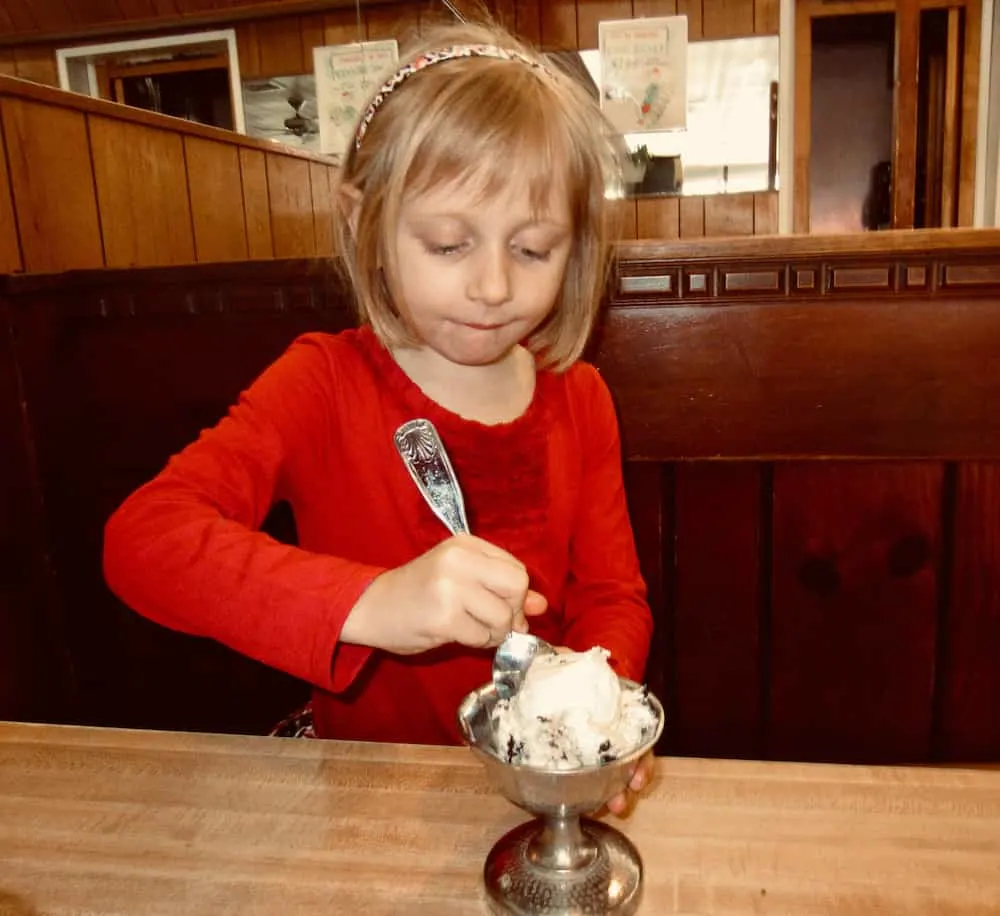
(717, 611)
(856, 552)
(282, 54)
(119, 377)
(970, 671)
(855, 377)
(21, 17)
(35, 674)
(648, 486)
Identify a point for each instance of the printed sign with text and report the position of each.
(644, 73)
(346, 79)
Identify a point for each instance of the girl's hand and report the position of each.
(464, 590)
(642, 775)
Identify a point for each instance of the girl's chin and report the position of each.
(478, 352)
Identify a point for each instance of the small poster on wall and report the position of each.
(644, 73)
(346, 78)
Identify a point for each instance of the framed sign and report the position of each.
(346, 78)
(644, 73)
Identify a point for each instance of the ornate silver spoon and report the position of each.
(422, 451)
(424, 455)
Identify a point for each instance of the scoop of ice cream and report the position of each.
(572, 711)
(571, 684)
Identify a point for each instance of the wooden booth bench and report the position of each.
(811, 430)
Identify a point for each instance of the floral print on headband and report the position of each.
(436, 57)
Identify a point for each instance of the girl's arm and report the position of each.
(185, 549)
(605, 600)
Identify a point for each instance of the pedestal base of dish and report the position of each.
(560, 867)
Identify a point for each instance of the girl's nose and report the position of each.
(490, 282)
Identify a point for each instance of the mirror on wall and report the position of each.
(730, 143)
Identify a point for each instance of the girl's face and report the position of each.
(477, 276)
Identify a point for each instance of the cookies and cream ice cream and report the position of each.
(572, 711)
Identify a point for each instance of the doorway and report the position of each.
(850, 159)
(886, 114)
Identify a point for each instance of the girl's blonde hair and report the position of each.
(486, 121)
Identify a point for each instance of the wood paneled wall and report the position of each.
(283, 45)
(86, 183)
(278, 47)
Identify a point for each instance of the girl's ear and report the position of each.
(349, 200)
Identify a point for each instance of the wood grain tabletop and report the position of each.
(104, 821)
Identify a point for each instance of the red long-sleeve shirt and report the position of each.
(316, 429)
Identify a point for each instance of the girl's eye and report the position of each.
(533, 255)
(444, 249)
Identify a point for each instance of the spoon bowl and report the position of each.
(512, 660)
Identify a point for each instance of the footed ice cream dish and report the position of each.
(561, 747)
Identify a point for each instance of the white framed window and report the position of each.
(77, 66)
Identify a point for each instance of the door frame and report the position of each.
(904, 101)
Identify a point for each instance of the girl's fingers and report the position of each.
(506, 580)
(535, 604)
(488, 618)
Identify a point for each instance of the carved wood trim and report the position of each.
(707, 277)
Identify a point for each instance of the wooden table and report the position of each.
(108, 821)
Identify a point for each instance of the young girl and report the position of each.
(472, 213)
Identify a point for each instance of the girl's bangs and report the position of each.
(485, 147)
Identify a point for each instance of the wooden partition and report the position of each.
(86, 183)
(811, 442)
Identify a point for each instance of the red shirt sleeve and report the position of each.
(185, 549)
(605, 596)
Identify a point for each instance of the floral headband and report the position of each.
(436, 57)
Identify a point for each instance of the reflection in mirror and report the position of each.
(730, 144)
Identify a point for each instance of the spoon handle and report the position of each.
(423, 453)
